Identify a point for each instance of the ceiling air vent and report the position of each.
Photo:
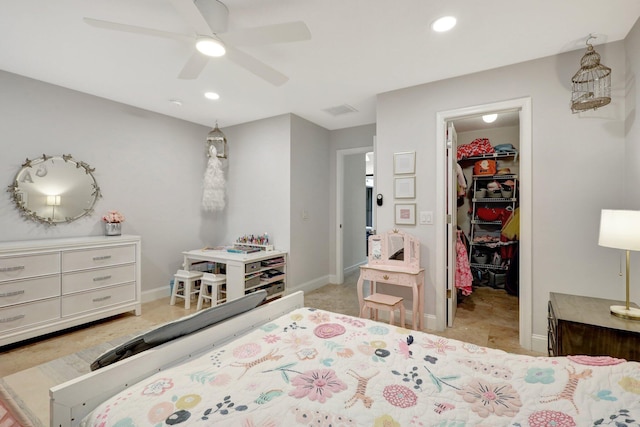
(340, 110)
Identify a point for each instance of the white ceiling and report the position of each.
(359, 48)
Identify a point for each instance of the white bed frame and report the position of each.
(70, 402)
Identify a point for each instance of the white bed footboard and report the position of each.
(70, 402)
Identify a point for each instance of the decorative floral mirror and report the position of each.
(54, 189)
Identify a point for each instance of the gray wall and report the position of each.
(309, 214)
(631, 182)
(576, 167)
(149, 167)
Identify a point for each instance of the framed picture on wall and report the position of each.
(404, 163)
(405, 188)
(406, 213)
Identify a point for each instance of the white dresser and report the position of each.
(53, 284)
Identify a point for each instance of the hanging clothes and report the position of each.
(464, 279)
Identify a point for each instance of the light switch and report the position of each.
(426, 217)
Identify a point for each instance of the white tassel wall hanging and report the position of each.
(213, 195)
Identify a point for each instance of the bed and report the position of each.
(283, 364)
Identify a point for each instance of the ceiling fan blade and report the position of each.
(256, 67)
(194, 66)
(136, 30)
(192, 15)
(278, 33)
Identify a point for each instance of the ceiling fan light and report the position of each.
(210, 46)
(444, 24)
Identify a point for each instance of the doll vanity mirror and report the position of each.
(394, 258)
(394, 248)
(54, 189)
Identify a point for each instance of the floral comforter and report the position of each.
(316, 368)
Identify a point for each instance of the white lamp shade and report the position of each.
(620, 229)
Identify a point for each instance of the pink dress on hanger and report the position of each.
(464, 279)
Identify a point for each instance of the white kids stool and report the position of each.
(188, 288)
(209, 287)
(384, 302)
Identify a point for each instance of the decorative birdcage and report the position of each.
(591, 85)
(218, 140)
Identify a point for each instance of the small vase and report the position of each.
(112, 228)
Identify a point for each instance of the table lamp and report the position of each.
(620, 229)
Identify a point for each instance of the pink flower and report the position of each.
(271, 338)
(550, 418)
(486, 399)
(329, 330)
(400, 396)
(113, 216)
(317, 385)
(296, 341)
(441, 345)
(246, 350)
(319, 317)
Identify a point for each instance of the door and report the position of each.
(452, 194)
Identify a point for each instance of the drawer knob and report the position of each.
(12, 319)
(15, 268)
(12, 294)
(385, 277)
(98, 279)
(102, 298)
(101, 258)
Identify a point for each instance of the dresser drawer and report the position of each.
(88, 301)
(98, 278)
(21, 291)
(30, 314)
(382, 276)
(102, 257)
(20, 267)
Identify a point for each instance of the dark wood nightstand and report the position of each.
(584, 325)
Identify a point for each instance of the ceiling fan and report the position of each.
(208, 18)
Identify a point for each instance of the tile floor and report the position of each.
(488, 317)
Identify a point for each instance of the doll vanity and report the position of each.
(394, 258)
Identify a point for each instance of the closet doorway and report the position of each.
(459, 212)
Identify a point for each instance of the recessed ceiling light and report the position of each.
(489, 118)
(444, 24)
(211, 95)
(210, 46)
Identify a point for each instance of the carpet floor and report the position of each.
(29, 388)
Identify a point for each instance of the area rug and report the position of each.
(26, 393)
(10, 413)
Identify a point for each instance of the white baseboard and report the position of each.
(310, 285)
(539, 343)
(156, 293)
(354, 267)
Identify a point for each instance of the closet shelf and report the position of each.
(490, 177)
(488, 266)
(495, 244)
(495, 155)
(494, 200)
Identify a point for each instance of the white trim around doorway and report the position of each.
(340, 155)
(525, 200)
